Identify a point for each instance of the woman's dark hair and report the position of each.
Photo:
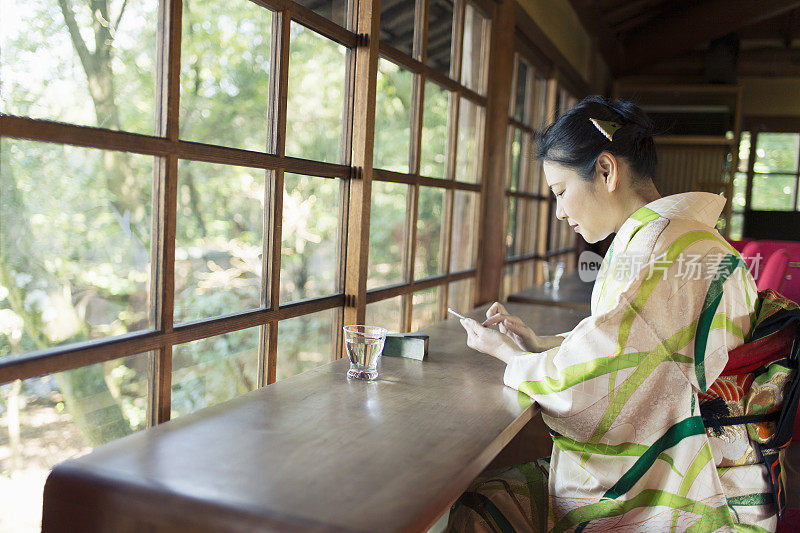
(575, 142)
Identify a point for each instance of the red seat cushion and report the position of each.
(773, 276)
(757, 253)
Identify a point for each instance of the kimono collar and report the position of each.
(704, 207)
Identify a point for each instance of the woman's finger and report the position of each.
(493, 320)
(470, 325)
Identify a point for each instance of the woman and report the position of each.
(619, 393)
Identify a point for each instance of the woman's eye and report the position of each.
(559, 194)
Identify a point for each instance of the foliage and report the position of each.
(776, 167)
(77, 225)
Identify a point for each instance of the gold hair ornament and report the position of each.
(606, 128)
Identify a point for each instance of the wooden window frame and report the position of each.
(778, 127)
(166, 145)
(355, 174)
(545, 227)
(417, 65)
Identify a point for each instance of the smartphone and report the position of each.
(459, 315)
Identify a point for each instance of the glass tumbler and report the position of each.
(364, 345)
(559, 271)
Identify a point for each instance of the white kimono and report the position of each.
(620, 395)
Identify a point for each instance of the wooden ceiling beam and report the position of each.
(627, 10)
(769, 62)
(675, 34)
(761, 62)
(607, 43)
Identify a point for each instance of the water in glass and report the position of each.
(364, 345)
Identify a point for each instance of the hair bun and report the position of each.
(575, 141)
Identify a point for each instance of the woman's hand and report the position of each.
(490, 341)
(513, 326)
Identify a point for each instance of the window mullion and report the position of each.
(279, 76)
(358, 212)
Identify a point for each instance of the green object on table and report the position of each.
(410, 345)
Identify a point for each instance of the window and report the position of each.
(177, 180)
(769, 164)
(429, 122)
(533, 234)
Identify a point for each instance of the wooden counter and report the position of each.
(314, 452)
(572, 293)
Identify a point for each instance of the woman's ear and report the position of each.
(607, 171)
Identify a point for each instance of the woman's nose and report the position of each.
(560, 214)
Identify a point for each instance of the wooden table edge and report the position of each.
(131, 499)
(442, 504)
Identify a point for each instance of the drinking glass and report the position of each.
(559, 271)
(364, 345)
(552, 273)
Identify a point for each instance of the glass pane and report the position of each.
(540, 118)
(397, 24)
(777, 152)
(465, 231)
(214, 370)
(434, 131)
(428, 261)
(334, 10)
(392, 117)
(386, 313)
(535, 168)
(75, 239)
(306, 342)
(440, 35)
(476, 41)
(310, 249)
(225, 55)
(525, 160)
(387, 240)
(61, 416)
(510, 276)
(511, 226)
(772, 192)
(425, 308)
(460, 295)
(744, 151)
(519, 111)
(739, 191)
(44, 76)
(514, 167)
(219, 240)
(530, 225)
(565, 102)
(470, 125)
(314, 115)
(552, 234)
(737, 226)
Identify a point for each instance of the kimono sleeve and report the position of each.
(578, 373)
(723, 323)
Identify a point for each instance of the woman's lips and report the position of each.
(575, 227)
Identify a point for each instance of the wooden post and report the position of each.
(357, 251)
(168, 93)
(279, 88)
(501, 72)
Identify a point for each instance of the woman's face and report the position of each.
(585, 205)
